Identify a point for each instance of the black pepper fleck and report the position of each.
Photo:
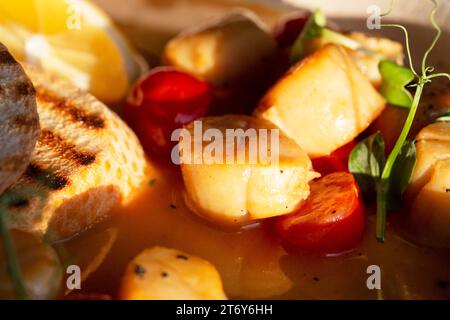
(316, 279)
(152, 182)
(19, 203)
(333, 212)
(139, 270)
(173, 206)
(182, 257)
(164, 274)
(447, 190)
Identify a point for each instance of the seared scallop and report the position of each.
(429, 191)
(224, 51)
(370, 51)
(250, 171)
(323, 102)
(167, 274)
(376, 49)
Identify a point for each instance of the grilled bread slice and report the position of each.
(86, 161)
(19, 121)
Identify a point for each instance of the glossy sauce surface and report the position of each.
(251, 261)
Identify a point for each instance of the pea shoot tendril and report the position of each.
(419, 83)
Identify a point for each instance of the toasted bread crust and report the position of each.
(86, 161)
(19, 121)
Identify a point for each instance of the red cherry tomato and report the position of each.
(288, 30)
(164, 100)
(335, 162)
(330, 221)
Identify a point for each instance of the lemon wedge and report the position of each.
(74, 39)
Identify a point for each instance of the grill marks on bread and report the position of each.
(21, 121)
(6, 58)
(65, 150)
(68, 153)
(69, 108)
(50, 141)
(46, 178)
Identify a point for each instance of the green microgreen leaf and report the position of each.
(312, 29)
(12, 262)
(401, 174)
(7, 199)
(330, 36)
(315, 28)
(395, 79)
(366, 161)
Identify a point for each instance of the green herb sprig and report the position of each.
(12, 263)
(395, 175)
(316, 28)
(444, 118)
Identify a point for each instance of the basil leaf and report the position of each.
(401, 174)
(312, 29)
(395, 79)
(366, 162)
(444, 118)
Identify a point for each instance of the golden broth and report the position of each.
(252, 262)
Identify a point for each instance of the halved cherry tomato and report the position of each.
(335, 162)
(330, 221)
(162, 101)
(288, 30)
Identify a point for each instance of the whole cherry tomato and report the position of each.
(337, 161)
(330, 221)
(162, 101)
